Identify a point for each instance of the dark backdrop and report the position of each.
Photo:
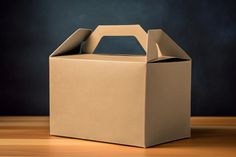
(31, 30)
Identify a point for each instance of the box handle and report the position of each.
(115, 30)
(157, 44)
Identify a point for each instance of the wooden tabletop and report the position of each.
(29, 136)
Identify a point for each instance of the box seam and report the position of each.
(145, 107)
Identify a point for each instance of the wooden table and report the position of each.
(29, 136)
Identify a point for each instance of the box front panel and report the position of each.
(97, 100)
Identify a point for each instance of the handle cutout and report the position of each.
(119, 45)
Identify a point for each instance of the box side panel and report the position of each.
(98, 100)
(168, 93)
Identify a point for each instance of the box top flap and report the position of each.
(164, 46)
(73, 42)
(157, 44)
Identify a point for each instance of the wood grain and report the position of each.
(29, 136)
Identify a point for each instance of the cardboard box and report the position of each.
(131, 100)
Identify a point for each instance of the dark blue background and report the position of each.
(31, 30)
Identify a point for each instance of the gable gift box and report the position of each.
(125, 99)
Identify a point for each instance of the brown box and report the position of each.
(132, 100)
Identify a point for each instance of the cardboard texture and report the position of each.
(131, 100)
